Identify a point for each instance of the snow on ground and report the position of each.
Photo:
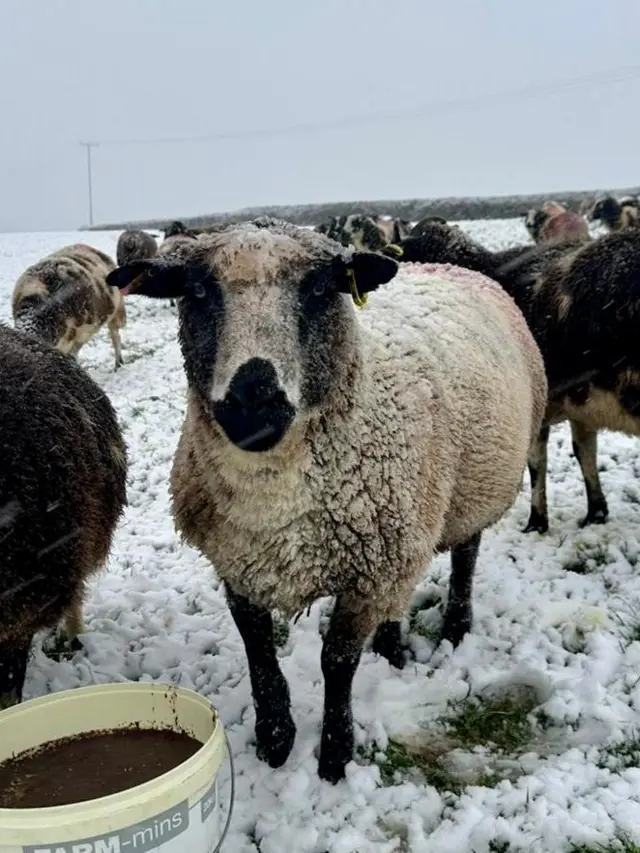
(557, 621)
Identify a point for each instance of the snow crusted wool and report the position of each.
(331, 452)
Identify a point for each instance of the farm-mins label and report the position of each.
(156, 833)
(142, 837)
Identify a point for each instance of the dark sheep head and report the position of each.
(424, 224)
(267, 328)
(606, 210)
(176, 227)
(534, 222)
(441, 243)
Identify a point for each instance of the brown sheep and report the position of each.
(581, 302)
(65, 300)
(554, 222)
(62, 490)
(134, 245)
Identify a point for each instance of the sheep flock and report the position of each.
(352, 403)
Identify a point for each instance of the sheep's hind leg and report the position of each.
(537, 463)
(73, 626)
(350, 625)
(14, 657)
(275, 729)
(459, 613)
(387, 642)
(585, 449)
(114, 334)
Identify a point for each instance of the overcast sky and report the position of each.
(74, 70)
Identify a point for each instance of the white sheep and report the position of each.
(327, 452)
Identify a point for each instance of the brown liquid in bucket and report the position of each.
(91, 765)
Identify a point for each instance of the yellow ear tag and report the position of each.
(396, 250)
(359, 300)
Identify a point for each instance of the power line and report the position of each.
(607, 78)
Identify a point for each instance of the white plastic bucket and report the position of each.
(178, 812)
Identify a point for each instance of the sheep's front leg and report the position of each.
(275, 729)
(349, 627)
(585, 449)
(537, 463)
(459, 614)
(14, 657)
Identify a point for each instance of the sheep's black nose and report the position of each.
(255, 384)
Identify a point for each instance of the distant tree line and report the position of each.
(491, 207)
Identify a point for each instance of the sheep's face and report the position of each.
(267, 327)
(363, 233)
(176, 227)
(606, 210)
(534, 221)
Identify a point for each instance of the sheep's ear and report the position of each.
(157, 278)
(369, 270)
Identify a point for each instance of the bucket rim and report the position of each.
(112, 809)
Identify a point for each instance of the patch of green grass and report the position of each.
(622, 844)
(427, 763)
(587, 558)
(418, 762)
(502, 722)
(496, 846)
(621, 756)
(450, 761)
(629, 621)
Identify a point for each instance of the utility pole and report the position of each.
(89, 146)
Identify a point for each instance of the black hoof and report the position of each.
(387, 643)
(332, 762)
(537, 523)
(331, 770)
(75, 645)
(456, 626)
(275, 740)
(595, 516)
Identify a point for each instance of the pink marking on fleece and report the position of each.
(565, 224)
(483, 284)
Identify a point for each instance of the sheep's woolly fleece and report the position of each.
(557, 620)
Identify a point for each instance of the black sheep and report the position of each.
(63, 472)
(582, 303)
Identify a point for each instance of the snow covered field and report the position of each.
(551, 671)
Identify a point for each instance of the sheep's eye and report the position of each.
(198, 290)
(319, 288)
